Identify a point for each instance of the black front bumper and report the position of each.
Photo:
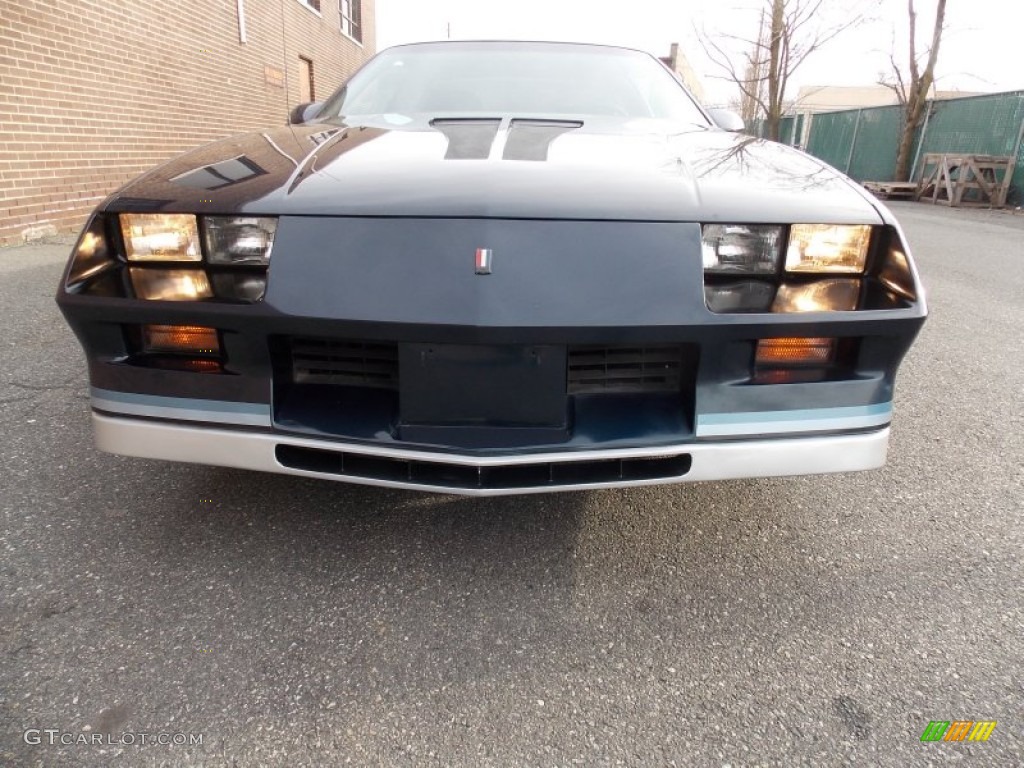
(485, 363)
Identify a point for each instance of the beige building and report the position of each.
(93, 93)
(833, 98)
(814, 99)
(678, 63)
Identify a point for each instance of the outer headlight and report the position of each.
(239, 240)
(160, 237)
(828, 248)
(748, 249)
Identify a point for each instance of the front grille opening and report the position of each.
(345, 363)
(625, 370)
(514, 476)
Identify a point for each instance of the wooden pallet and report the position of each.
(892, 190)
(965, 180)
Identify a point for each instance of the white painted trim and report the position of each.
(711, 460)
(349, 37)
(341, 23)
(240, 5)
(310, 8)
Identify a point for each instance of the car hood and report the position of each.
(604, 169)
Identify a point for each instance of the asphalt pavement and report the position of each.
(818, 621)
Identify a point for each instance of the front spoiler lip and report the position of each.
(735, 459)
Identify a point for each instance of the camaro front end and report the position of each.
(438, 285)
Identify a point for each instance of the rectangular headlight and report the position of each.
(829, 295)
(160, 237)
(828, 248)
(239, 240)
(747, 249)
(170, 284)
(740, 296)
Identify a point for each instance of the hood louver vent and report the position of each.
(467, 139)
(531, 139)
(473, 138)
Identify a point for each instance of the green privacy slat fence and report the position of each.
(863, 142)
(832, 136)
(874, 154)
(785, 127)
(798, 134)
(789, 129)
(991, 122)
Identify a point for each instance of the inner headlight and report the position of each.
(834, 295)
(828, 248)
(239, 240)
(160, 237)
(748, 249)
(742, 296)
(170, 284)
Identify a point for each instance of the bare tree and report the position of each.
(790, 31)
(752, 96)
(913, 95)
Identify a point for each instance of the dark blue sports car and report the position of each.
(496, 267)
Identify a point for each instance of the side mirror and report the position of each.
(304, 112)
(727, 120)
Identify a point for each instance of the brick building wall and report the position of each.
(93, 92)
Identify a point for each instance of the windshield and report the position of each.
(499, 79)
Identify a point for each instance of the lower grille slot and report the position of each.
(440, 474)
(640, 369)
(345, 363)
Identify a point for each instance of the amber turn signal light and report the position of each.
(795, 351)
(180, 339)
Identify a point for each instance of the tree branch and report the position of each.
(789, 32)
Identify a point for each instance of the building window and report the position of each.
(307, 88)
(314, 4)
(352, 19)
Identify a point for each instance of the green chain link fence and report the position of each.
(863, 142)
